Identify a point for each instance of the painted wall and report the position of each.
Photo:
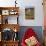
(45, 13)
(37, 29)
(38, 21)
(37, 4)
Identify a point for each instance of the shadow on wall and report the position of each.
(37, 29)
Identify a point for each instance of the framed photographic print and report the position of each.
(29, 13)
(5, 12)
(13, 12)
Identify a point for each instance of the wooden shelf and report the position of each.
(10, 26)
(3, 8)
(9, 11)
(9, 43)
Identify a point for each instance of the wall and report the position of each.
(38, 21)
(37, 4)
(45, 22)
(37, 29)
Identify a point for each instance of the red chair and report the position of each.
(29, 33)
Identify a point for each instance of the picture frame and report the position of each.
(12, 12)
(5, 12)
(29, 13)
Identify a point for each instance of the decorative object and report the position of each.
(31, 41)
(30, 38)
(15, 3)
(5, 12)
(29, 13)
(13, 12)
